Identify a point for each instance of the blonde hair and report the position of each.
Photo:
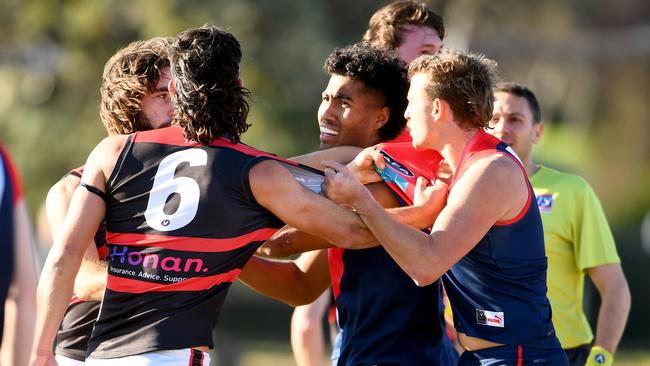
(463, 80)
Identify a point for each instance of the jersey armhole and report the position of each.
(128, 146)
(245, 177)
(524, 209)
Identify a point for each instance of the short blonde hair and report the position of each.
(463, 80)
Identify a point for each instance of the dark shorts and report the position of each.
(514, 356)
(578, 356)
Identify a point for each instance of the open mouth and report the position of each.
(327, 132)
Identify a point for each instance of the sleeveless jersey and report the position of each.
(181, 223)
(498, 290)
(384, 316)
(79, 319)
(10, 194)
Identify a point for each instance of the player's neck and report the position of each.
(454, 148)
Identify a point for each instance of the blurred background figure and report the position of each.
(18, 274)
(576, 234)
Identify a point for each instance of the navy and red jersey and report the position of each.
(385, 318)
(10, 194)
(181, 223)
(79, 319)
(498, 290)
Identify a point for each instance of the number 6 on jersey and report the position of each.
(165, 185)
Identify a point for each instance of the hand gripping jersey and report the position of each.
(384, 317)
(181, 222)
(498, 290)
(10, 193)
(79, 319)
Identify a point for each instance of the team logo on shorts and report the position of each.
(545, 202)
(490, 318)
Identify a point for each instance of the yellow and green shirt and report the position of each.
(577, 237)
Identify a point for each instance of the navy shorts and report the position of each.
(514, 356)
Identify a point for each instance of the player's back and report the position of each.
(181, 223)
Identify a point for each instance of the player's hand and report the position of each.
(431, 197)
(363, 165)
(599, 357)
(341, 186)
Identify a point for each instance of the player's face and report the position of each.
(347, 114)
(417, 41)
(157, 105)
(418, 114)
(512, 122)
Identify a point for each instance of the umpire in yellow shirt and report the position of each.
(576, 233)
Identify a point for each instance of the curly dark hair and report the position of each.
(382, 72)
(385, 24)
(128, 76)
(463, 80)
(209, 100)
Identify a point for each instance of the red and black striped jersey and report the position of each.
(181, 223)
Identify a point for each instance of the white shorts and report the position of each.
(67, 361)
(177, 357)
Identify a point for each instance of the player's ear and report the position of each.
(171, 87)
(438, 108)
(538, 130)
(381, 117)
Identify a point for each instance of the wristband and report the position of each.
(599, 357)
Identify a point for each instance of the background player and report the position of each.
(17, 268)
(576, 235)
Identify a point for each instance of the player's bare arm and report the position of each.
(342, 154)
(290, 241)
(296, 282)
(469, 213)
(275, 189)
(614, 305)
(91, 278)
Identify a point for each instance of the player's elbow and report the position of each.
(273, 249)
(423, 276)
(624, 297)
(423, 280)
(354, 237)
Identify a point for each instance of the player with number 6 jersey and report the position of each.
(180, 227)
(185, 207)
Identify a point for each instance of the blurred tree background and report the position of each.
(588, 61)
